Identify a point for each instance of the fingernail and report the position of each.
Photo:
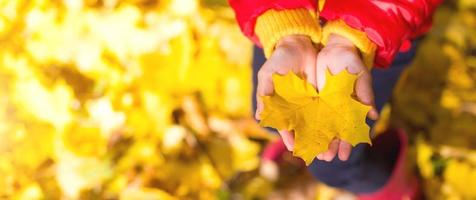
(319, 156)
(343, 158)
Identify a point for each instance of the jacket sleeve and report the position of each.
(389, 24)
(267, 21)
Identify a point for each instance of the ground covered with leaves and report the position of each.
(124, 99)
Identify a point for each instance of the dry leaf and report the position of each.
(316, 118)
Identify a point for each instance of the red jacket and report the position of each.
(390, 24)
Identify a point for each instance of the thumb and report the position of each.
(365, 94)
(309, 70)
(321, 67)
(288, 139)
(264, 88)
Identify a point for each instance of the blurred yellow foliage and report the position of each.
(132, 99)
(149, 99)
(461, 177)
(436, 99)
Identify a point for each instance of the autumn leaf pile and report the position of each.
(316, 118)
(436, 101)
(124, 99)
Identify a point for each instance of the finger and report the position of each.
(332, 151)
(320, 156)
(373, 114)
(365, 94)
(321, 67)
(363, 89)
(309, 70)
(344, 150)
(259, 107)
(263, 88)
(288, 139)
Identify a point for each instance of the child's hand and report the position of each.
(340, 54)
(296, 53)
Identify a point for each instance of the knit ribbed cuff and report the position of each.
(358, 38)
(272, 25)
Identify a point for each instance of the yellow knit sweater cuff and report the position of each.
(272, 25)
(361, 41)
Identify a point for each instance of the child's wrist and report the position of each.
(335, 39)
(294, 40)
(343, 33)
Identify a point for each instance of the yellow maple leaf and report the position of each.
(316, 118)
